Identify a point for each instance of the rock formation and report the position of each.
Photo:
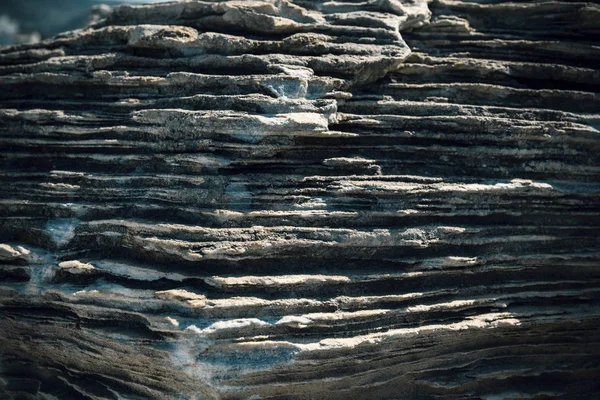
(387, 199)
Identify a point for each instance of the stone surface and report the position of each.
(303, 199)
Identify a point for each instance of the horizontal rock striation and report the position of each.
(303, 199)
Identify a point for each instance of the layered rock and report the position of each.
(291, 199)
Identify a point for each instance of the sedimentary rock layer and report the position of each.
(303, 199)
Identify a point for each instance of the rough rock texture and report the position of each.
(289, 199)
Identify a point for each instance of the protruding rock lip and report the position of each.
(198, 27)
(178, 295)
(10, 253)
(76, 271)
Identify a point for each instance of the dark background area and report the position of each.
(31, 20)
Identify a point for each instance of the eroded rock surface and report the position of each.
(303, 199)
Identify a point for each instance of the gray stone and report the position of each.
(294, 199)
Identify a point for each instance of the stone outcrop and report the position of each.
(303, 199)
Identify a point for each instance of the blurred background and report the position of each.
(28, 21)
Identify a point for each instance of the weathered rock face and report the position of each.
(278, 199)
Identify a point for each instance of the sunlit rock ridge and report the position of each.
(379, 199)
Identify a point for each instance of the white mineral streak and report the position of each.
(482, 321)
(275, 280)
